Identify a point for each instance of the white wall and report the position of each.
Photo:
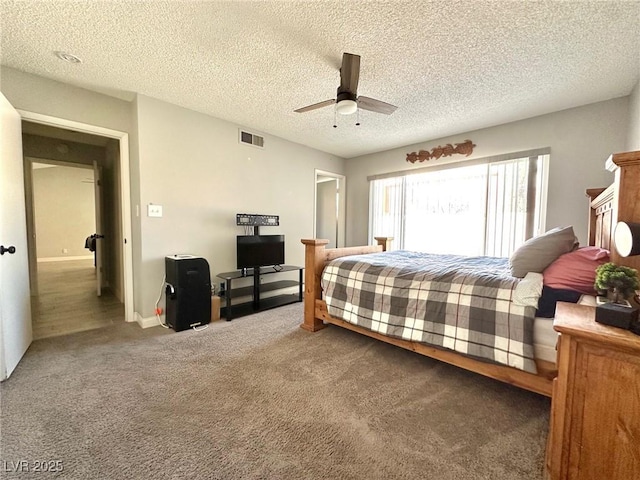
(193, 165)
(633, 135)
(64, 210)
(580, 139)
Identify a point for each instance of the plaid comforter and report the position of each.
(460, 303)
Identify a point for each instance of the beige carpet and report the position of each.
(259, 398)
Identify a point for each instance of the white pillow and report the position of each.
(538, 253)
(528, 291)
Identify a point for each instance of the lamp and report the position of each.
(626, 238)
(346, 107)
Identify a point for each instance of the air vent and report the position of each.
(251, 139)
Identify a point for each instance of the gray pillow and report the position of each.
(538, 253)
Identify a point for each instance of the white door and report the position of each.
(15, 309)
(97, 182)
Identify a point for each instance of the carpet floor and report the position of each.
(260, 398)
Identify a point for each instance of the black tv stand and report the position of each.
(258, 304)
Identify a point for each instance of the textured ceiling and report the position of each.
(449, 66)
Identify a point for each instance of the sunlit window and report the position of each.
(486, 208)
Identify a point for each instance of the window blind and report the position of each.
(479, 208)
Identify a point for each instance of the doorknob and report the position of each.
(3, 250)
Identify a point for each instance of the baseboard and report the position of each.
(65, 259)
(146, 322)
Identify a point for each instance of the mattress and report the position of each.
(545, 337)
(464, 304)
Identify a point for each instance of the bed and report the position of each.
(537, 369)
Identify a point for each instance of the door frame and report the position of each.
(125, 191)
(342, 201)
(99, 220)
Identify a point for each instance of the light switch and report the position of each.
(154, 210)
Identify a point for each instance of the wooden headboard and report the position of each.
(619, 202)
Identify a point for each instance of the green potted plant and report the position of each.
(616, 282)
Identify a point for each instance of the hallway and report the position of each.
(68, 303)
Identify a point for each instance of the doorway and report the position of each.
(329, 212)
(65, 207)
(64, 269)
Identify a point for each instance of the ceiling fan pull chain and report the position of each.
(358, 117)
(335, 117)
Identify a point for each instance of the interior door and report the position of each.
(15, 307)
(99, 253)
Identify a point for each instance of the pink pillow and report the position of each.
(576, 270)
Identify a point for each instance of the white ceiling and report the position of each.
(450, 66)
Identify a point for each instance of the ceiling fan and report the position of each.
(347, 100)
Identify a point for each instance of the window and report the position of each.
(480, 208)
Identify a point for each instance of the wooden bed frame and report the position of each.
(619, 202)
(316, 314)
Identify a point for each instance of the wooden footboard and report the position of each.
(316, 256)
(316, 317)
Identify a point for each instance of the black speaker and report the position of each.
(616, 315)
(188, 291)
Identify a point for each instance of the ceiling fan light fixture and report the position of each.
(347, 107)
(347, 101)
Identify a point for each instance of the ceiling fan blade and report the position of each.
(350, 73)
(374, 105)
(308, 108)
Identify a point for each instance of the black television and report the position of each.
(259, 250)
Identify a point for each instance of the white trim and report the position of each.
(147, 322)
(64, 259)
(544, 194)
(342, 222)
(125, 190)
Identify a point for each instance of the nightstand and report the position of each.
(595, 411)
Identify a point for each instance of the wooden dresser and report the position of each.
(595, 414)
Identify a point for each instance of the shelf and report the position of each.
(242, 309)
(264, 287)
(263, 271)
(256, 290)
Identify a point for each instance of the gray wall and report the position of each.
(112, 211)
(40, 95)
(48, 97)
(194, 166)
(633, 136)
(64, 210)
(581, 139)
(47, 149)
